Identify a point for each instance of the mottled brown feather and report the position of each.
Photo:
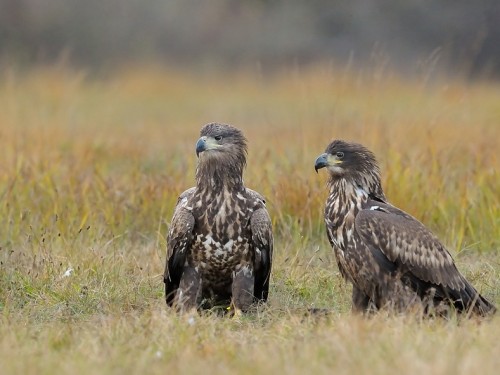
(179, 240)
(220, 236)
(404, 239)
(391, 258)
(262, 239)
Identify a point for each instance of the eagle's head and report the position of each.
(219, 139)
(221, 150)
(352, 162)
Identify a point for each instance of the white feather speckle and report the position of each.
(208, 241)
(229, 245)
(219, 252)
(360, 192)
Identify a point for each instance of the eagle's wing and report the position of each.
(180, 236)
(262, 240)
(394, 235)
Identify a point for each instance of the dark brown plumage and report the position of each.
(220, 241)
(392, 260)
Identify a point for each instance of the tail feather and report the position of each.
(170, 290)
(469, 299)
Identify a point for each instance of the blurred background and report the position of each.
(455, 37)
(101, 103)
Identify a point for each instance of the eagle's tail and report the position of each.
(484, 306)
(471, 300)
(170, 290)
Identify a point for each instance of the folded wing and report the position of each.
(262, 240)
(179, 239)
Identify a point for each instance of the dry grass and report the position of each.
(90, 170)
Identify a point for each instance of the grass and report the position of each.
(90, 170)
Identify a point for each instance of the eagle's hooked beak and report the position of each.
(204, 144)
(321, 162)
(200, 145)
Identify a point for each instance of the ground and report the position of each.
(91, 167)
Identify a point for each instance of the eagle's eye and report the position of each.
(339, 154)
(218, 137)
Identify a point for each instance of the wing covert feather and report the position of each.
(262, 236)
(402, 238)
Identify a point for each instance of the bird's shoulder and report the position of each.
(186, 195)
(383, 214)
(385, 207)
(255, 198)
(388, 220)
(182, 219)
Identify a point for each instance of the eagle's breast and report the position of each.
(340, 216)
(222, 236)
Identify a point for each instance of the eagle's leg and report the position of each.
(189, 292)
(360, 301)
(242, 289)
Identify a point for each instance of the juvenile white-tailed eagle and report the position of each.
(220, 241)
(392, 260)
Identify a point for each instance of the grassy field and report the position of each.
(90, 170)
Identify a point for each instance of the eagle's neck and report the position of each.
(216, 175)
(343, 204)
(346, 199)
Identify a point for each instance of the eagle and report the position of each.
(392, 260)
(220, 241)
